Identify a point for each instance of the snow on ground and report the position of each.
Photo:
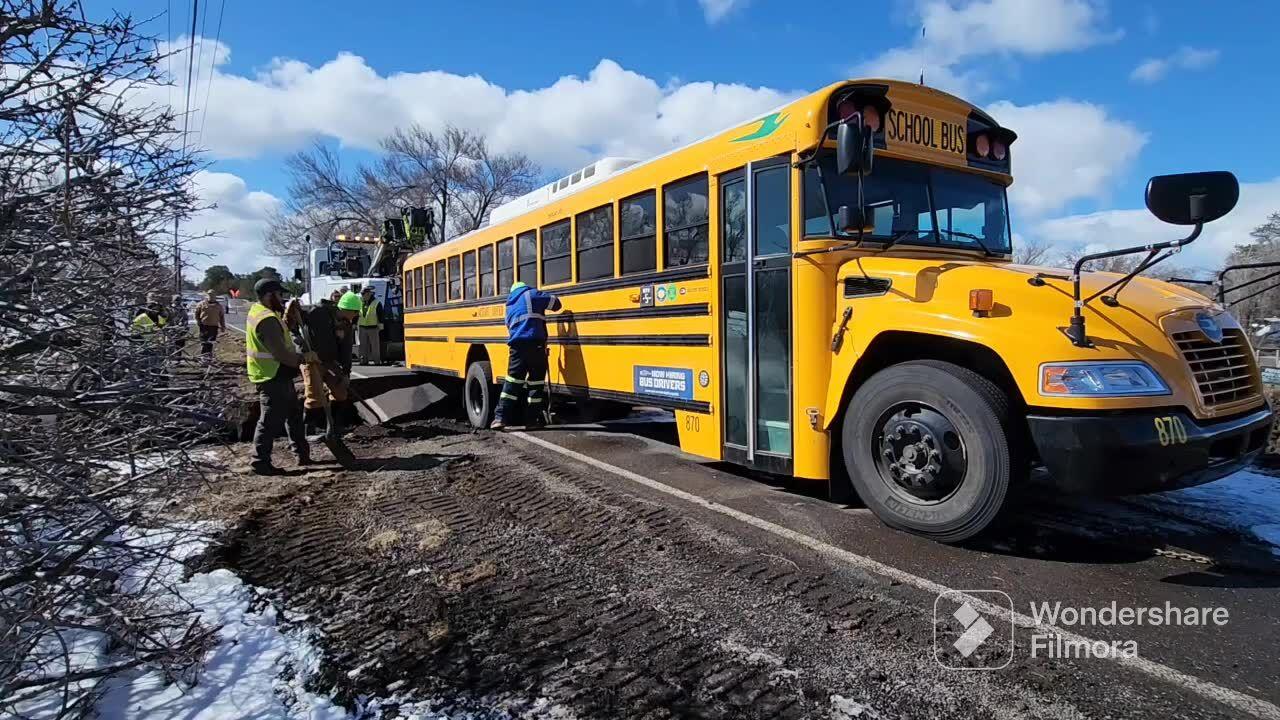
(255, 670)
(1246, 502)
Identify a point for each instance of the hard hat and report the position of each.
(266, 285)
(516, 286)
(349, 301)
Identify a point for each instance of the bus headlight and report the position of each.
(1118, 378)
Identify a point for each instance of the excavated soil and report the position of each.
(467, 566)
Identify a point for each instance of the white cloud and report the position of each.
(611, 110)
(239, 219)
(1187, 58)
(1111, 229)
(1066, 151)
(716, 10)
(957, 33)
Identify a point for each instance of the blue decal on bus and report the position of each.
(666, 382)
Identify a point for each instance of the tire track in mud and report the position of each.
(494, 574)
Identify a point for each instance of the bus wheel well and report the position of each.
(475, 353)
(893, 347)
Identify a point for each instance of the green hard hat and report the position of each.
(349, 301)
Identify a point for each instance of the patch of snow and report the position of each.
(255, 670)
(1246, 502)
(842, 708)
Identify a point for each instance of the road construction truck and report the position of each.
(356, 262)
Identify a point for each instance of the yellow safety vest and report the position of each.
(144, 325)
(369, 315)
(259, 361)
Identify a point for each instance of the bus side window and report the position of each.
(418, 296)
(469, 275)
(595, 243)
(428, 285)
(638, 233)
(556, 266)
(684, 222)
(506, 267)
(486, 271)
(440, 282)
(455, 278)
(528, 257)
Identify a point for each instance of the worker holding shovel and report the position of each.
(328, 330)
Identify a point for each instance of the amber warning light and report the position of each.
(981, 302)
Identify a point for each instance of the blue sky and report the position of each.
(1103, 94)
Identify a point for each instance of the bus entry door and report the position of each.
(755, 255)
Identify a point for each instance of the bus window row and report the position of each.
(621, 238)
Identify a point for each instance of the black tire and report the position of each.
(976, 412)
(479, 396)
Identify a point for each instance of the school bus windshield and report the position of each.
(913, 203)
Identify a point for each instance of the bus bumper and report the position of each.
(1124, 455)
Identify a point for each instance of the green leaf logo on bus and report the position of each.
(768, 125)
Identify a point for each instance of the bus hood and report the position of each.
(1033, 308)
(1147, 296)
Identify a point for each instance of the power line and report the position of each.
(186, 118)
(199, 51)
(213, 64)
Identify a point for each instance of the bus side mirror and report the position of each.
(853, 147)
(1192, 198)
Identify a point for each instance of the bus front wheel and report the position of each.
(479, 394)
(927, 446)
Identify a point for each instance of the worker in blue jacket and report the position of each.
(526, 380)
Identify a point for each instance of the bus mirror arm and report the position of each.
(1076, 329)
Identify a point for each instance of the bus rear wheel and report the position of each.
(927, 446)
(478, 394)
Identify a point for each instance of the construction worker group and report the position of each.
(273, 360)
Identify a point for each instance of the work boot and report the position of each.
(497, 425)
(264, 467)
(305, 459)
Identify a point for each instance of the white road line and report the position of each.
(1232, 698)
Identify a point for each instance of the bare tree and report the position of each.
(1033, 251)
(95, 419)
(489, 180)
(425, 166)
(454, 172)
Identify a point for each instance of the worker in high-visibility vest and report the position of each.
(150, 318)
(272, 362)
(147, 321)
(369, 338)
(524, 389)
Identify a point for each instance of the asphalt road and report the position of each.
(1086, 554)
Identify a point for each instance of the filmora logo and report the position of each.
(967, 635)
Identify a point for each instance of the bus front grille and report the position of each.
(1224, 372)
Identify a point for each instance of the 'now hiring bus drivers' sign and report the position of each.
(665, 382)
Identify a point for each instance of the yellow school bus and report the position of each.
(827, 292)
